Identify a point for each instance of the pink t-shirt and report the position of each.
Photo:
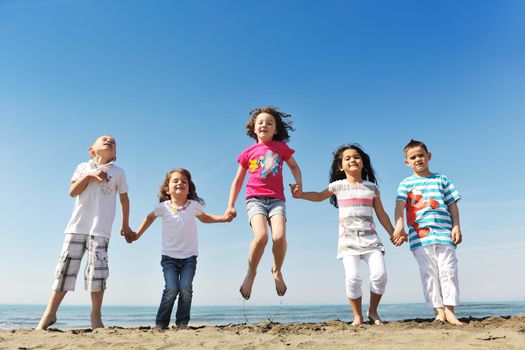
(264, 162)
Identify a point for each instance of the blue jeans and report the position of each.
(178, 279)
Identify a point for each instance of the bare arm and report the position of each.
(78, 186)
(296, 172)
(125, 230)
(456, 229)
(235, 189)
(146, 222)
(212, 218)
(382, 216)
(310, 196)
(399, 215)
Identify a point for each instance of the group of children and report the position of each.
(430, 201)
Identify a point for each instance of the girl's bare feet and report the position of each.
(280, 286)
(246, 286)
(374, 318)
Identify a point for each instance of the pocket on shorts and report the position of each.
(61, 265)
(100, 264)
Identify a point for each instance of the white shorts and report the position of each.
(68, 266)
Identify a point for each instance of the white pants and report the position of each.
(376, 265)
(439, 274)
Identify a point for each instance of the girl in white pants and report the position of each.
(353, 189)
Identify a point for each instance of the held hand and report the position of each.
(457, 238)
(231, 212)
(296, 190)
(128, 234)
(399, 237)
(227, 217)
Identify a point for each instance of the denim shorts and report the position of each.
(267, 206)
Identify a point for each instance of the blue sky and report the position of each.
(173, 82)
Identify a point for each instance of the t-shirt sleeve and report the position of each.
(122, 184)
(199, 208)
(402, 192)
(450, 194)
(78, 173)
(286, 152)
(242, 159)
(159, 208)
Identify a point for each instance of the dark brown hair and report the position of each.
(192, 191)
(281, 125)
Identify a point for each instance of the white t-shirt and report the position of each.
(94, 208)
(179, 229)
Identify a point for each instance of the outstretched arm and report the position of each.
(297, 192)
(146, 222)
(235, 189)
(456, 229)
(212, 218)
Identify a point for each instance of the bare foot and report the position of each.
(246, 286)
(96, 322)
(374, 318)
(46, 322)
(451, 317)
(357, 321)
(439, 319)
(280, 286)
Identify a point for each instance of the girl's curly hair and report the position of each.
(192, 191)
(282, 126)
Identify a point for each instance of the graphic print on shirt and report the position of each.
(414, 204)
(269, 164)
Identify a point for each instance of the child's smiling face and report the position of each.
(351, 162)
(265, 127)
(178, 185)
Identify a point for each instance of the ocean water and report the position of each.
(27, 316)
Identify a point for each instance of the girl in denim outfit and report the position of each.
(263, 161)
(179, 206)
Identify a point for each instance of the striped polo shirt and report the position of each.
(357, 233)
(421, 192)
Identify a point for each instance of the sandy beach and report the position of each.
(482, 333)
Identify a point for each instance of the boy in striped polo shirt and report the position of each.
(432, 215)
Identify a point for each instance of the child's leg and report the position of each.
(96, 309)
(187, 272)
(378, 278)
(353, 286)
(50, 315)
(170, 269)
(428, 268)
(66, 273)
(278, 225)
(448, 276)
(260, 238)
(95, 276)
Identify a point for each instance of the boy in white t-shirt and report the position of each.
(94, 185)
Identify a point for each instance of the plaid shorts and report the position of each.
(97, 271)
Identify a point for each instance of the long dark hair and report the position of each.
(367, 173)
(192, 191)
(282, 127)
